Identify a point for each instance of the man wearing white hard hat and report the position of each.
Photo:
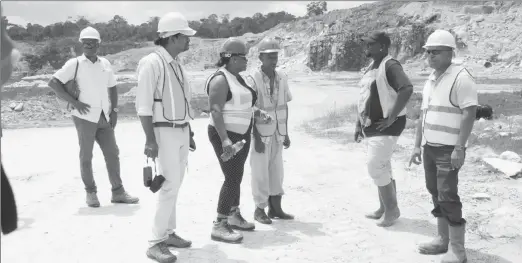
(163, 105)
(449, 103)
(266, 157)
(94, 113)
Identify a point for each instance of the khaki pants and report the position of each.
(267, 172)
(171, 163)
(380, 150)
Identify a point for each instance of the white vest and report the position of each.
(172, 95)
(278, 110)
(387, 95)
(238, 111)
(441, 122)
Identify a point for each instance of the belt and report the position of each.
(170, 124)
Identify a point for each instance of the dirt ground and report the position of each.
(326, 184)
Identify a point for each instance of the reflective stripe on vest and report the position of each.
(387, 95)
(172, 92)
(238, 111)
(441, 122)
(278, 111)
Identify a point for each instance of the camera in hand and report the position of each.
(157, 182)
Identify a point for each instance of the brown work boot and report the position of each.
(176, 241)
(92, 200)
(456, 252)
(439, 245)
(236, 221)
(124, 198)
(275, 210)
(261, 217)
(222, 232)
(161, 253)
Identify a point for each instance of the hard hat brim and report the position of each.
(187, 32)
(80, 39)
(270, 51)
(438, 45)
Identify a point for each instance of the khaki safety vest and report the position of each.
(238, 111)
(173, 101)
(278, 109)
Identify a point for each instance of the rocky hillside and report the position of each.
(485, 31)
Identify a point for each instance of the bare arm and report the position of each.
(401, 83)
(418, 132)
(218, 90)
(466, 124)
(148, 128)
(58, 87)
(113, 95)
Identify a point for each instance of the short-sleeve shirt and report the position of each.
(397, 80)
(463, 94)
(93, 80)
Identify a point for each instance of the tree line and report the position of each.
(118, 29)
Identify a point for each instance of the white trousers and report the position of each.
(267, 172)
(172, 161)
(379, 153)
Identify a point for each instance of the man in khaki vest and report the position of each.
(163, 99)
(266, 157)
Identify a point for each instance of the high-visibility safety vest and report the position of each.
(278, 110)
(441, 122)
(173, 101)
(238, 111)
(387, 95)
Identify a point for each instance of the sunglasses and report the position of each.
(435, 52)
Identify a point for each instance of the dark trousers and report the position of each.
(9, 211)
(233, 169)
(103, 134)
(442, 183)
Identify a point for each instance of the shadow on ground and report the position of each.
(208, 254)
(311, 229)
(260, 239)
(122, 210)
(414, 226)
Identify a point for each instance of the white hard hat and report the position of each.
(173, 23)
(90, 33)
(441, 38)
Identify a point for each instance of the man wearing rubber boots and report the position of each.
(95, 114)
(449, 103)
(163, 104)
(385, 91)
(266, 157)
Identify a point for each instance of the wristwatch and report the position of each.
(116, 110)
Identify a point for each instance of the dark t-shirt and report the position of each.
(397, 79)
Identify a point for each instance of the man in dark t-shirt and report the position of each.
(385, 91)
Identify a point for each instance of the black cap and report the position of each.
(377, 37)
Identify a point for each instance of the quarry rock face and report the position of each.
(345, 51)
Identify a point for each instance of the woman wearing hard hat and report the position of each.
(385, 91)
(231, 103)
(449, 104)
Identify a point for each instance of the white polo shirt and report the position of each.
(93, 80)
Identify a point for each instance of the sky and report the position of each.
(137, 12)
